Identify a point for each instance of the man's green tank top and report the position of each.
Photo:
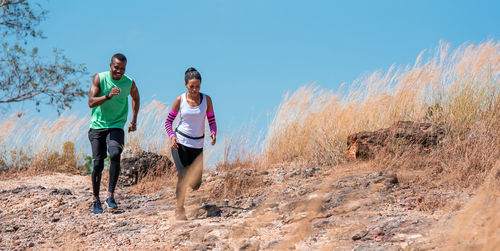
(112, 113)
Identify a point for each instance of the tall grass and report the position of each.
(150, 135)
(42, 144)
(477, 225)
(36, 143)
(458, 87)
(30, 142)
(242, 148)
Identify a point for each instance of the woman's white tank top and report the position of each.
(192, 122)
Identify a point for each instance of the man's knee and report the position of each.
(115, 153)
(98, 165)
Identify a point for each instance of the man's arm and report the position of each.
(136, 103)
(95, 88)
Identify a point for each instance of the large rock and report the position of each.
(136, 167)
(402, 136)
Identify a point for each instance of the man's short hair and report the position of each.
(119, 57)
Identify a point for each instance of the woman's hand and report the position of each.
(213, 138)
(174, 142)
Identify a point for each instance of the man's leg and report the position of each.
(97, 139)
(96, 177)
(115, 140)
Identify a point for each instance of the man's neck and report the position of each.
(113, 77)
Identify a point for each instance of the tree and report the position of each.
(24, 74)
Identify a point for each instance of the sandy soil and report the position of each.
(337, 208)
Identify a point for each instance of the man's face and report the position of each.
(117, 68)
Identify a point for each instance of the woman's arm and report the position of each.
(170, 119)
(211, 120)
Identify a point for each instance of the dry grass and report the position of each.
(39, 145)
(237, 182)
(477, 226)
(150, 135)
(152, 183)
(35, 144)
(458, 163)
(239, 152)
(459, 88)
(31, 145)
(241, 147)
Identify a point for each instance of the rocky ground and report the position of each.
(306, 208)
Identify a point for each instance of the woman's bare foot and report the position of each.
(180, 214)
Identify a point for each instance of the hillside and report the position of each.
(346, 207)
(404, 159)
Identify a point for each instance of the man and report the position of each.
(108, 98)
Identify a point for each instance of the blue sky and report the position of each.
(250, 53)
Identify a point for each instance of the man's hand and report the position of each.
(114, 91)
(213, 138)
(132, 127)
(174, 142)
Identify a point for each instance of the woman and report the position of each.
(187, 140)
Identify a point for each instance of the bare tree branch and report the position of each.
(25, 76)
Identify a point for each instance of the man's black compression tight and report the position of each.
(103, 142)
(96, 176)
(114, 171)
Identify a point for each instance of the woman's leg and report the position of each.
(180, 157)
(196, 168)
(189, 164)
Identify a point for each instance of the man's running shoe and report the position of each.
(111, 203)
(97, 207)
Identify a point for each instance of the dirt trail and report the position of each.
(341, 208)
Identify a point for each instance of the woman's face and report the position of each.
(193, 86)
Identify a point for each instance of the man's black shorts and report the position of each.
(101, 139)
